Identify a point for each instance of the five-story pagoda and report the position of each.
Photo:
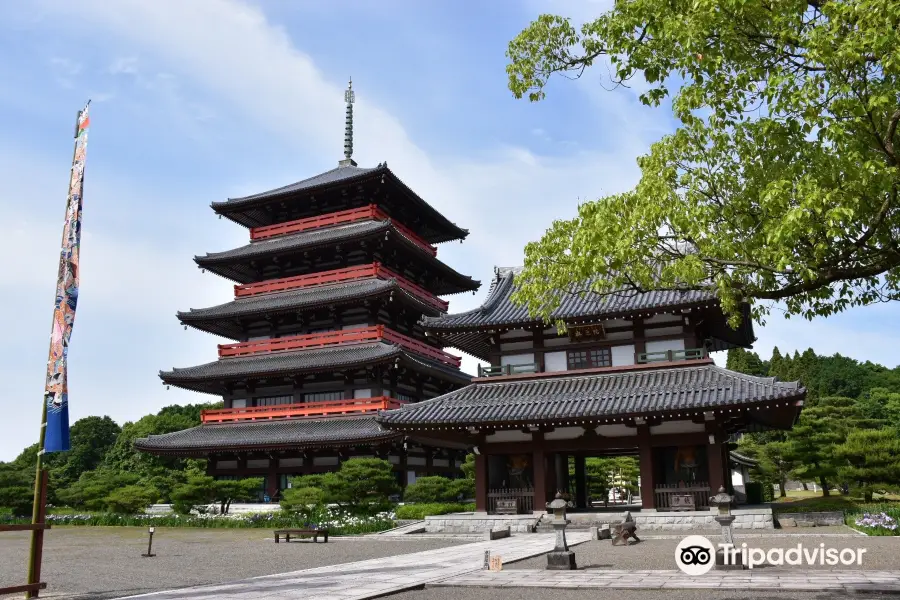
(339, 270)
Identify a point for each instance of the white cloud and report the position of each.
(137, 273)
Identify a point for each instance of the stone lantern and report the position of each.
(724, 518)
(560, 558)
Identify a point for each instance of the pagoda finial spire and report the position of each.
(349, 98)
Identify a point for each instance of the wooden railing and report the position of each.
(523, 497)
(665, 493)
(328, 339)
(672, 355)
(341, 217)
(301, 410)
(507, 370)
(356, 273)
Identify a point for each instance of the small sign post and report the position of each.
(149, 553)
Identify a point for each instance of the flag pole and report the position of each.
(36, 508)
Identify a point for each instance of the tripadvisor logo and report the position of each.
(696, 555)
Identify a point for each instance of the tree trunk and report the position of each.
(824, 485)
(805, 487)
(867, 495)
(782, 485)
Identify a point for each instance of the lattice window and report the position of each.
(322, 396)
(274, 400)
(584, 359)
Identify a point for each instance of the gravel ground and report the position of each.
(106, 562)
(882, 553)
(469, 593)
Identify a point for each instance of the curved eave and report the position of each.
(470, 330)
(222, 320)
(211, 377)
(261, 436)
(615, 393)
(234, 264)
(243, 210)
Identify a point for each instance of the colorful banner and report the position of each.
(57, 390)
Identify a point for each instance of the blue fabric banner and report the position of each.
(57, 389)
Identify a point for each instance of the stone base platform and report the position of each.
(745, 518)
(766, 580)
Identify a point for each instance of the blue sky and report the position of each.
(198, 101)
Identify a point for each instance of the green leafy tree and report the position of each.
(872, 460)
(813, 439)
(775, 463)
(16, 490)
(91, 438)
(305, 501)
(93, 487)
(236, 490)
(468, 466)
(744, 361)
(130, 499)
(363, 485)
(432, 489)
(781, 182)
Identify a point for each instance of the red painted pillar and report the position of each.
(481, 483)
(645, 450)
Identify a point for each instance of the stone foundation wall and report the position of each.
(810, 519)
(685, 521)
(477, 523)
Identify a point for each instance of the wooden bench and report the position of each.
(624, 530)
(314, 533)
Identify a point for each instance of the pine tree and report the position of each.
(872, 460)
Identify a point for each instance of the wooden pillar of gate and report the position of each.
(645, 450)
(481, 483)
(539, 466)
(715, 452)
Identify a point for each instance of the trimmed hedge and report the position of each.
(420, 511)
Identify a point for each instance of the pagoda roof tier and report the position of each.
(251, 211)
(213, 377)
(268, 435)
(235, 264)
(223, 319)
(469, 331)
(603, 396)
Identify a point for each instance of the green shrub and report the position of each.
(302, 500)
(361, 486)
(754, 490)
(431, 490)
(420, 511)
(130, 500)
(768, 492)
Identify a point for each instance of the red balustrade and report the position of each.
(340, 217)
(301, 410)
(339, 275)
(326, 339)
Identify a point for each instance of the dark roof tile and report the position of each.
(205, 377)
(276, 433)
(219, 319)
(629, 392)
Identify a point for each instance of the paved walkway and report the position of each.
(369, 578)
(782, 580)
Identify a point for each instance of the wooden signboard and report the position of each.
(507, 506)
(496, 562)
(583, 333)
